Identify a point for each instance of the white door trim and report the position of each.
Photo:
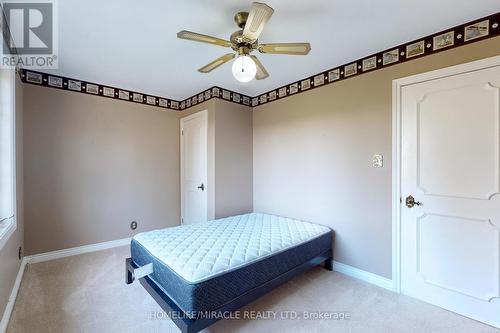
(397, 86)
(204, 113)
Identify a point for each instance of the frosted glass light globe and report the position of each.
(244, 69)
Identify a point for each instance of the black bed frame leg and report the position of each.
(129, 277)
(329, 264)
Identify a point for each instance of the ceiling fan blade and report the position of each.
(216, 63)
(261, 70)
(194, 36)
(257, 18)
(285, 48)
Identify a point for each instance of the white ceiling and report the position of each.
(132, 44)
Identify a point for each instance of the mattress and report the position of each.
(205, 265)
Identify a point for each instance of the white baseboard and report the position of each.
(12, 298)
(76, 250)
(364, 275)
(51, 256)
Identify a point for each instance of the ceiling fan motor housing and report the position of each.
(241, 44)
(240, 19)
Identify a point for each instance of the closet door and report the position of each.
(194, 168)
(450, 179)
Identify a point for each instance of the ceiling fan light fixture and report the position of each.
(244, 69)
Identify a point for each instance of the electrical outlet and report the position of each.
(133, 225)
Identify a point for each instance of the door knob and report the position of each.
(202, 187)
(410, 202)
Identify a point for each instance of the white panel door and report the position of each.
(450, 238)
(194, 167)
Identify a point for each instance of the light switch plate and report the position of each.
(378, 161)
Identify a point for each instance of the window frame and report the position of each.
(7, 227)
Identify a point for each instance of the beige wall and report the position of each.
(93, 165)
(9, 260)
(312, 156)
(233, 159)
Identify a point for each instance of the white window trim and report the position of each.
(6, 230)
(8, 226)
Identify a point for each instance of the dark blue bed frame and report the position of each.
(193, 325)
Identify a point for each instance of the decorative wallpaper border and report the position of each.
(467, 33)
(215, 92)
(89, 88)
(477, 30)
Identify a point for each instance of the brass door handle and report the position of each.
(410, 202)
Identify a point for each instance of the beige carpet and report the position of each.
(87, 293)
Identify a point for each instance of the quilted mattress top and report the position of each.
(198, 252)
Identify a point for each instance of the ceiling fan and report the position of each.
(244, 42)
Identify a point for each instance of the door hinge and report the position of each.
(182, 132)
(182, 220)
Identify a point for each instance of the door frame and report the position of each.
(397, 86)
(203, 113)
